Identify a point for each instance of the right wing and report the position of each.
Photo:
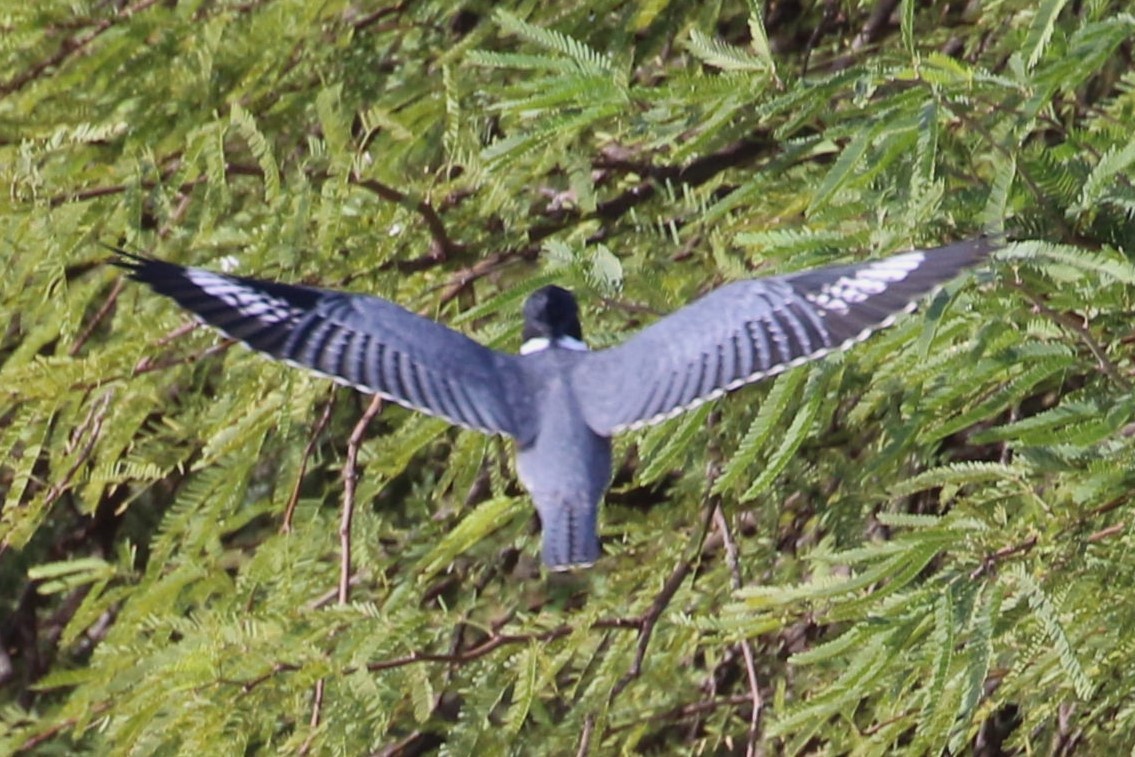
(359, 340)
(748, 330)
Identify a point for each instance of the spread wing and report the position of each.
(354, 339)
(748, 330)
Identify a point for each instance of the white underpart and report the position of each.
(874, 279)
(251, 303)
(539, 343)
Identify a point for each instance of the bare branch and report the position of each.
(308, 451)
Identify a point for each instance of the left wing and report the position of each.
(366, 342)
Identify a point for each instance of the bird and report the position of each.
(559, 401)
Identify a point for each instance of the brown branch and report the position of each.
(990, 561)
(231, 169)
(350, 483)
(316, 711)
(55, 729)
(402, 746)
(1073, 325)
(466, 276)
(694, 173)
(752, 747)
(177, 333)
(252, 683)
(1051, 211)
(473, 653)
(443, 246)
(147, 365)
(374, 17)
(332, 595)
(648, 621)
(585, 736)
(308, 451)
(90, 429)
(1107, 507)
(496, 642)
(99, 316)
(70, 47)
(828, 21)
(877, 22)
(1105, 533)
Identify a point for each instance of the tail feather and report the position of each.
(571, 538)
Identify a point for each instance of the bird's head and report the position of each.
(551, 313)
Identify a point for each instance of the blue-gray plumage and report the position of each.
(560, 402)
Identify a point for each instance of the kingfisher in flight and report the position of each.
(560, 402)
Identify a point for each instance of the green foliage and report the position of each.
(930, 539)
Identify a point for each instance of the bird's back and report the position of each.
(567, 467)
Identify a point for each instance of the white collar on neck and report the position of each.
(539, 343)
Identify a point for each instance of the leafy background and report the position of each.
(923, 544)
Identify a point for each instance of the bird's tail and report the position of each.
(571, 538)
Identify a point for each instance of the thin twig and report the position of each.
(496, 642)
(731, 556)
(991, 560)
(350, 483)
(460, 280)
(308, 451)
(444, 247)
(88, 430)
(1104, 533)
(401, 746)
(648, 621)
(316, 712)
(331, 595)
(58, 727)
(373, 17)
(1052, 213)
(585, 736)
(458, 657)
(1072, 324)
(177, 333)
(319, 688)
(70, 47)
(148, 365)
(102, 313)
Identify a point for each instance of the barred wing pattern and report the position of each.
(358, 340)
(748, 330)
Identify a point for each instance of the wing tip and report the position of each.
(968, 252)
(143, 268)
(123, 258)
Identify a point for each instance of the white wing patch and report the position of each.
(250, 303)
(869, 281)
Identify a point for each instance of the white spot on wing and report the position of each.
(249, 302)
(872, 279)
